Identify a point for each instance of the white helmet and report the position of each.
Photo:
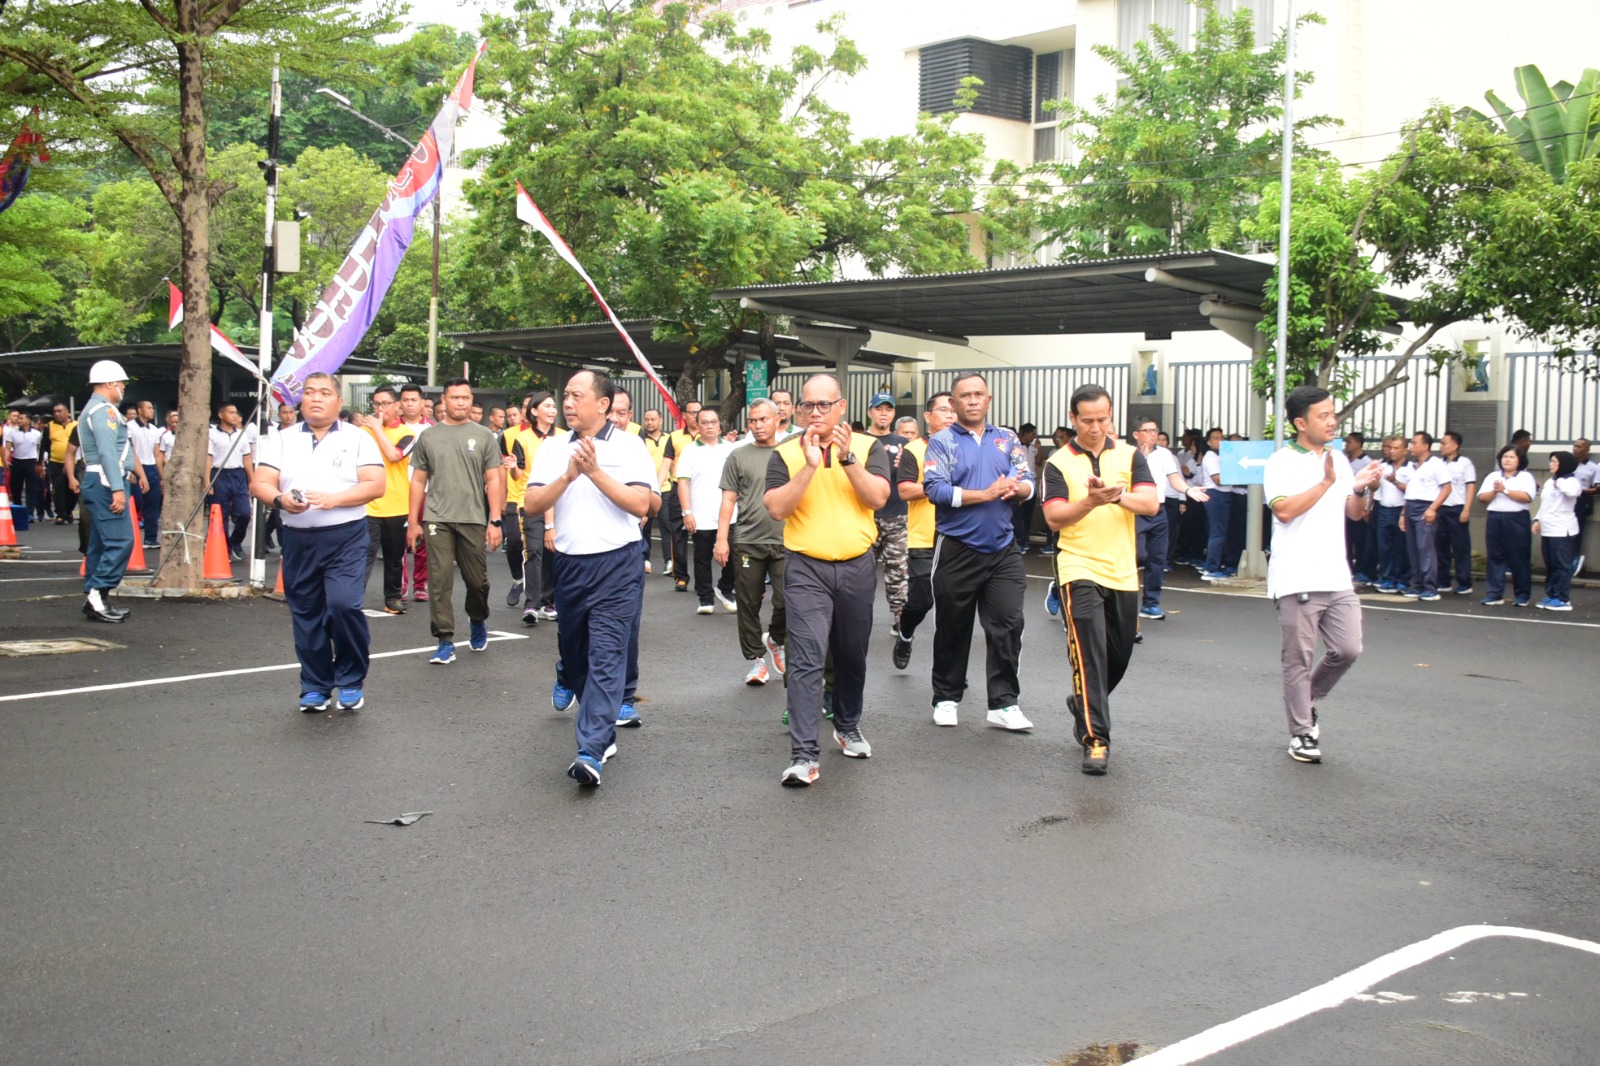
(106, 371)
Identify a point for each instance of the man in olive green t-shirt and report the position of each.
(756, 543)
(454, 465)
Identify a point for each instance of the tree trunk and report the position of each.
(185, 478)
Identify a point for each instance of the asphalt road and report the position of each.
(188, 876)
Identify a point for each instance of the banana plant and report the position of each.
(1560, 123)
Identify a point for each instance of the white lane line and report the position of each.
(494, 635)
(1348, 986)
(31, 580)
(35, 562)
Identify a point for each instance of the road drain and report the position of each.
(1101, 1055)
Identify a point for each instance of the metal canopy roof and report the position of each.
(161, 360)
(597, 344)
(1153, 295)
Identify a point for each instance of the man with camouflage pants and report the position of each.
(890, 547)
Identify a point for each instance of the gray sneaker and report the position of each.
(853, 744)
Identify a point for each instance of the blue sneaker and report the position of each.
(585, 770)
(312, 702)
(1152, 612)
(1213, 575)
(445, 655)
(1360, 579)
(350, 699)
(1428, 597)
(478, 637)
(1388, 587)
(1052, 598)
(1462, 590)
(628, 717)
(1559, 605)
(1521, 601)
(1493, 600)
(1411, 594)
(1544, 604)
(561, 696)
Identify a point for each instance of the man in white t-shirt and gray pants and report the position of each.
(1311, 491)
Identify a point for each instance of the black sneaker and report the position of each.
(902, 651)
(530, 617)
(1096, 756)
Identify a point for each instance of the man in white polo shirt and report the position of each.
(599, 481)
(231, 456)
(1311, 491)
(700, 494)
(321, 476)
(1427, 485)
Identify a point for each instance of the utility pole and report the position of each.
(1281, 370)
(264, 348)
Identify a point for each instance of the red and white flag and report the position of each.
(219, 340)
(529, 212)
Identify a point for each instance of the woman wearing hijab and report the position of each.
(1557, 527)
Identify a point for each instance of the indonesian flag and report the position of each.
(529, 212)
(219, 340)
(27, 147)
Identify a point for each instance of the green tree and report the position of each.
(1559, 124)
(1459, 219)
(1178, 159)
(399, 87)
(138, 76)
(45, 246)
(676, 161)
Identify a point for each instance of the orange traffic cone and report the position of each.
(278, 588)
(136, 561)
(217, 566)
(83, 566)
(8, 531)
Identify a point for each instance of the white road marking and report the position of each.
(494, 635)
(1340, 989)
(31, 580)
(35, 562)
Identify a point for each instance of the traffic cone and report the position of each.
(8, 531)
(136, 561)
(278, 588)
(83, 566)
(217, 566)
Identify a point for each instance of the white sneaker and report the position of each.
(944, 712)
(758, 672)
(704, 608)
(1010, 718)
(728, 605)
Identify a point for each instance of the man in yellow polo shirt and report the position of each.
(1094, 486)
(938, 412)
(683, 437)
(58, 435)
(824, 485)
(386, 516)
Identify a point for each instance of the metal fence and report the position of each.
(1217, 393)
(1556, 403)
(858, 389)
(1039, 394)
(1421, 403)
(1210, 393)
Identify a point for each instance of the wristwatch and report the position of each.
(849, 459)
(497, 523)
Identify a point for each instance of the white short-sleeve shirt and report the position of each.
(1162, 463)
(1587, 474)
(1424, 480)
(702, 467)
(1308, 553)
(332, 464)
(587, 523)
(1389, 494)
(145, 439)
(1521, 481)
(1462, 473)
(224, 454)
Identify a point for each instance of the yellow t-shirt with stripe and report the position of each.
(1100, 546)
(520, 446)
(831, 523)
(919, 513)
(396, 498)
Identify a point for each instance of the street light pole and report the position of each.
(1281, 369)
(344, 104)
(257, 567)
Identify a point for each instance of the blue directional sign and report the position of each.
(1244, 462)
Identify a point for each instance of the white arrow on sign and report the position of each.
(1252, 462)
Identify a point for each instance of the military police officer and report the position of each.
(103, 438)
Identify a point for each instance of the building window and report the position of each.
(1052, 81)
(1135, 17)
(1004, 70)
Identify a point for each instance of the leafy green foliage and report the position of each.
(45, 247)
(1559, 124)
(676, 161)
(1177, 161)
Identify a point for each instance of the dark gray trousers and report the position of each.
(827, 605)
(1336, 618)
